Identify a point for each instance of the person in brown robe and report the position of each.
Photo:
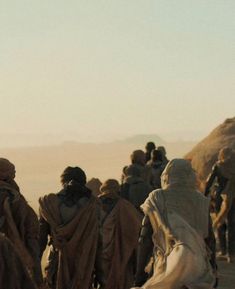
(18, 221)
(121, 224)
(134, 188)
(70, 218)
(13, 274)
(138, 160)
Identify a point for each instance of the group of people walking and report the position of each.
(153, 230)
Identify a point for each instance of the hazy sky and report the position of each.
(111, 68)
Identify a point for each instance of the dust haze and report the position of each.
(38, 168)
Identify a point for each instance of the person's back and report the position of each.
(157, 165)
(18, 221)
(163, 151)
(134, 188)
(179, 220)
(117, 217)
(70, 218)
(192, 206)
(138, 159)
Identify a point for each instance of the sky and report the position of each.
(101, 70)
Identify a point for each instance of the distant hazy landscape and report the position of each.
(38, 168)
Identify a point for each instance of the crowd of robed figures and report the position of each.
(154, 230)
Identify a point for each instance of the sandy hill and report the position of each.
(205, 153)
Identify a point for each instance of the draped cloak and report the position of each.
(13, 274)
(75, 240)
(19, 223)
(179, 217)
(120, 231)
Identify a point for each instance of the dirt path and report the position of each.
(226, 275)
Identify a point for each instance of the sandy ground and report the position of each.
(226, 275)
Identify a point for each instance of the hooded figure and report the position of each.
(177, 220)
(119, 242)
(18, 221)
(70, 218)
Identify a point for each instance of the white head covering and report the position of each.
(179, 195)
(179, 175)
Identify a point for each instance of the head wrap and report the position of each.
(7, 170)
(179, 183)
(110, 186)
(138, 157)
(162, 149)
(179, 174)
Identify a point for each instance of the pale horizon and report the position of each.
(43, 140)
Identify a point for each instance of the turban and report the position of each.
(179, 174)
(138, 157)
(110, 186)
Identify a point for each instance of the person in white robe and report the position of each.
(177, 221)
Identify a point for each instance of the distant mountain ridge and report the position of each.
(141, 139)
